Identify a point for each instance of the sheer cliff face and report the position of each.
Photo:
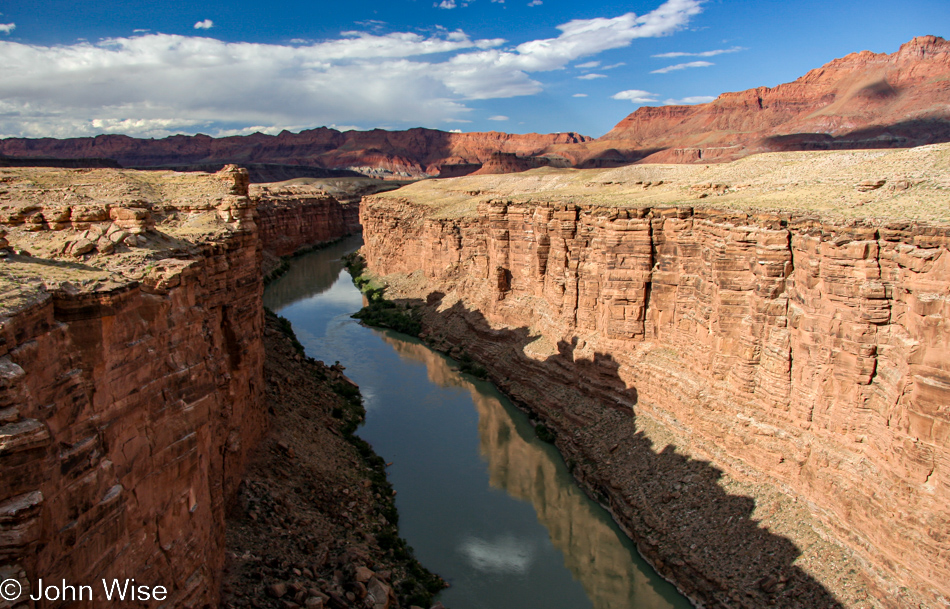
(127, 407)
(292, 217)
(808, 353)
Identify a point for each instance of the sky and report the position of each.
(72, 68)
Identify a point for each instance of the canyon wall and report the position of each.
(294, 217)
(131, 376)
(807, 355)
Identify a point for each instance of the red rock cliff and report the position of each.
(415, 152)
(130, 376)
(803, 353)
(863, 100)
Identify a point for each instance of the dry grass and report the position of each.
(818, 182)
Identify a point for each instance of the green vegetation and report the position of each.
(287, 328)
(380, 312)
(420, 585)
(468, 366)
(544, 433)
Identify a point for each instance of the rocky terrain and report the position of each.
(314, 520)
(864, 100)
(745, 362)
(132, 374)
(143, 400)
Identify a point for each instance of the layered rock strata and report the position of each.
(293, 217)
(131, 376)
(802, 353)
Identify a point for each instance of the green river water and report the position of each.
(483, 502)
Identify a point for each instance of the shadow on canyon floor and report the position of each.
(707, 539)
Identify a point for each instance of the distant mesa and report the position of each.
(862, 100)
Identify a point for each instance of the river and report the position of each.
(483, 502)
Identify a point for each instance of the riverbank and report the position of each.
(762, 372)
(314, 522)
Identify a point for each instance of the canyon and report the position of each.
(746, 362)
(864, 100)
(132, 372)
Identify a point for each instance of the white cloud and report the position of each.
(579, 95)
(455, 130)
(683, 66)
(589, 64)
(159, 84)
(6, 28)
(613, 65)
(445, 4)
(702, 54)
(696, 99)
(498, 117)
(207, 24)
(591, 76)
(535, 3)
(636, 96)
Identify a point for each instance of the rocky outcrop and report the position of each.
(131, 361)
(666, 345)
(863, 100)
(379, 153)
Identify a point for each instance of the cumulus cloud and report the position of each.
(498, 117)
(207, 24)
(6, 28)
(535, 3)
(445, 4)
(686, 101)
(579, 95)
(636, 96)
(683, 66)
(587, 65)
(591, 76)
(158, 84)
(701, 54)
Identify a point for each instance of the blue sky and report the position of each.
(150, 69)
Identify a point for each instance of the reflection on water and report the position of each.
(484, 503)
(310, 274)
(595, 550)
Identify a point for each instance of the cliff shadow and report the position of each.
(903, 134)
(701, 529)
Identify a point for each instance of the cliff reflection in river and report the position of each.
(595, 551)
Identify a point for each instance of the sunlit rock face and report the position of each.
(294, 217)
(130, 375)
(783, 348)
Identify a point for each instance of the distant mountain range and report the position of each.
(863, 100)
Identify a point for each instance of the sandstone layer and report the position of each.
(378, 153)
(755, 384)
(864, 100)
(294, 217)
(131, 375)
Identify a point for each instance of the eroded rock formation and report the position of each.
(800, 351)
(863, 100)
(130, 375)
(379, 153)
(292, 217)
